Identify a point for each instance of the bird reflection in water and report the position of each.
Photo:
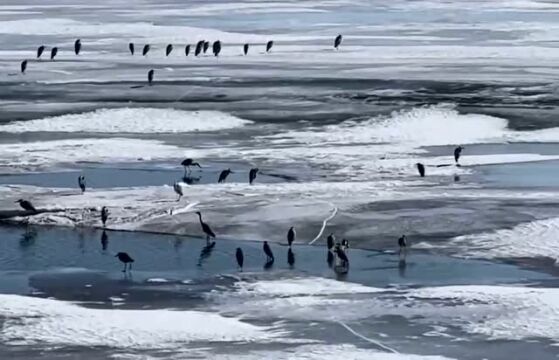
(104, 241)
(206, 252)
(27, 239)
(191, 179)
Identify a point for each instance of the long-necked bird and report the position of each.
(245, 49)
(26, 205)
(216, 48)
(187, 163)
(150, 76)
(240, 258)
(125, 259)
(146, 49)
(168, 49)
(205, 228)
(104, 240)
(223, 176)
(77, 46)
(206, 46)
(187, 50)
(330, 241)
(252, 175)
(269, 45)
(290, 257)
(178, 189)
(421, 169)
(81, 183)
(131, 48)
(40, 51)
(457, 153)
(53, 53)
(199, 47)
(104, 215)
(23, 66)
(268, 252)
(337, 41)
(291, 236)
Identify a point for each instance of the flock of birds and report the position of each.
(201, 47)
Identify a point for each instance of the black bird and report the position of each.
(77, 46)
(330, 258)
(330, 241)
(252, 175)
(150, 76)
(240, 258)
(199, 47)
(53, 52)
(187, 163)
(269, 45)
(40, 51)
(216, 48)
(290, 257)
(206, 46)
(421, 169)
(337, 41)
(126, 260)
(341, 255)
(104, 215)
(26, 205)
(187, 50)
(457, 153)
(402, 242)
(205, 228)
(223, 176)
(268, 252)
(178, 189)
(168, 49)
(131, 48)
(23, 66)
(345, 244)
(104, 240)
(245, 49)
(81, 183)
(146, 49)
(290, 236)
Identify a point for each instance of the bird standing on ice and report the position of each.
(126, 260)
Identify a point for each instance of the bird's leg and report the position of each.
(124, 270)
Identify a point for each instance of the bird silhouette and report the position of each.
(291, 236)
(421, 169)
(26, 205)
(268, 252)
(252, 175)
(81, 183)
(40, 51)
(125, 259)
(131, 48)
(269, 45)
(77, 46)
(168, 49)
(205, 228)
(240, 258)
(223, 176)
(146, 49)
(23, 66)
(104, 215)
(337, 41)
(245, 48)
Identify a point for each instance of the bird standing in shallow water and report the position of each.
(252, 175)
(53, 53)
(457, 153)
(421, 169)
(205, 228)
(81, 183)
(290, 257)
(268, 252)
(40, 51)
(290, 236)
(344, 261)
(223, 176)
(240, 258)
(178, 189)
(216, 48)
(126, 260)
(104, 215)
(26, 205)
(150, 76)
(402, 243)
(187, 163)
(337, 41)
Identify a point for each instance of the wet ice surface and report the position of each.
(336, 136)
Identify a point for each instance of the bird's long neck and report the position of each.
(200, 217)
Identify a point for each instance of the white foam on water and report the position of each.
(30, 321)
(130, 120)
(303, 286)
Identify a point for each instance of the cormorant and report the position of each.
(104, 215)
(187, 163)
(206, 46)
(240, 258)
(206, 228)
(421, 169)
(252, 175)
(131, 48)
(150, 76)
(187, 50)
(290, 236)
(245, 49)
(26, 205)
(168, 49)
(402, 242)
(268, 252)
(146, 49)
(23, 66)
(337, 41)
(199, 47)
(330, 241)
(126, 260)
(40, 51)
(290, 257)
(77, 46)
(457, 153)
(53, 52)
(178, 189)
(269, 45)
(223, 176)
(216, 47)
(81, 183)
